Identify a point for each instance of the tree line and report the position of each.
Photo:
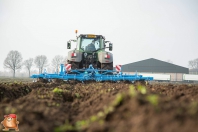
(14, 61)
(193, 64)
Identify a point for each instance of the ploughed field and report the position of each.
(98, 107)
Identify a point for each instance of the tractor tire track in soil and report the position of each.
(101, 107)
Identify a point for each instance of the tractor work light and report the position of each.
(73, 55)
(107, 56)
(91, 36)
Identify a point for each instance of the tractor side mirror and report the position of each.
(110, 46)
(68, 45)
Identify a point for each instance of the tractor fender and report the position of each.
(102, 59)
(76, 58)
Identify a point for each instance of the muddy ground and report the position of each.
(99, 107)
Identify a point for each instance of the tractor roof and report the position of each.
(91, 36)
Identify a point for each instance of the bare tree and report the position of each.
(65, 60)
(28, 64)
(196, 62)
(13, 61)
(40, 62)
(193, 63)
(56, 61)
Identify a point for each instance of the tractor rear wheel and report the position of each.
(107, 66)
(74, 65)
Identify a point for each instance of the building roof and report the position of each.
(155, 66)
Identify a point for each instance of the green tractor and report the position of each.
(90, 49)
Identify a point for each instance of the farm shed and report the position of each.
(154, 66)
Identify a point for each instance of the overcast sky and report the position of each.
(138, 29)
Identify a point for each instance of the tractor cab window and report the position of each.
(90, 44)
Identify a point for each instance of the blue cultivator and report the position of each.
(91, 74)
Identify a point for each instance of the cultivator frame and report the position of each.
(91, 74)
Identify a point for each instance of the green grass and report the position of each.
(57, 90)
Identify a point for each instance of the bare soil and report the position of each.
(99, 107)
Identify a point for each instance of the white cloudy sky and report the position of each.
(139, 29)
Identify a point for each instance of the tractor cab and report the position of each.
(90, 49)
(90, 43)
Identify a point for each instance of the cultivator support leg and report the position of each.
(92, 74)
